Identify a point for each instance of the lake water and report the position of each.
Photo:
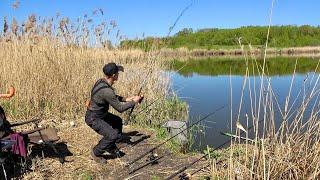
(206, 86)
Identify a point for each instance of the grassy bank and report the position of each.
(236, 52)
(218, 38)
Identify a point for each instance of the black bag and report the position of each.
(5, 126)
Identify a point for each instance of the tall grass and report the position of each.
(53, 64)
(286, 151)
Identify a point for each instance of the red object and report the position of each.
(19, 147)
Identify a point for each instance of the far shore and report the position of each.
(310, 51)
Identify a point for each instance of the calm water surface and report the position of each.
(206, 86)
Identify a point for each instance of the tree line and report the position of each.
(214, 38)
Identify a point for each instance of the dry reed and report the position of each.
(288, 151)
(53, 64)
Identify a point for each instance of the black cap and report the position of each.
(111, 69)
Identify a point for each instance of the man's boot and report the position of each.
(116, 153)
(98, 159)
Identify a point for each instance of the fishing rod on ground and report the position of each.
(198, 170)
(134, 115)
(153, 160)
(188, 176)
(205, 155)
(159, 145)
(236, 137)
(194, 162)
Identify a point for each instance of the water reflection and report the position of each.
(223, 66)
(206, 85)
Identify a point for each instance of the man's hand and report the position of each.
(128, 99)
(137, 99)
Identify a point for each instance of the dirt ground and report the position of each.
(76, 144)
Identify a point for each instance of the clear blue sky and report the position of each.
(154, 17)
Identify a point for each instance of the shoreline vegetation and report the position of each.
(52, 64)
(215, 38)
(53, 67)
(184, 53)
(286, 40)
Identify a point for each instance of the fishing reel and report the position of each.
(152, 158)
(185, 176)
(142, 97)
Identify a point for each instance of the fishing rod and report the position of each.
(188, 176)
(152, 160)
(194, 162)
(150, 104)
(204, 156)
(139, 93)
(146, 107)
(159, 96)
(198, 170)
(235, 136)
(152, 156)
(159, 145)
(170, 30)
